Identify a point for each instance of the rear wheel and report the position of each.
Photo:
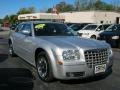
(93, 37)
(11, 51)
(43, 67)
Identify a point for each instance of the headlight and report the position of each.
(110, 53)
(71, 55)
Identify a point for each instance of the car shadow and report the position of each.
(87, 80)
(3, 57)
(1, 37)
(16, 79)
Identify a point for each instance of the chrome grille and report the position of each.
(96, 57)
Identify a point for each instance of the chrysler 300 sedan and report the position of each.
(57, 52)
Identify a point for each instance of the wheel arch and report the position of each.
(93, 36)
(51, 56)
(9, 41)
(38, 50)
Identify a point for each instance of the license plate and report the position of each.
(100, 68)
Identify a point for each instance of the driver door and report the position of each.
(23, 41)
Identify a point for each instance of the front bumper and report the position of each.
(78, 70)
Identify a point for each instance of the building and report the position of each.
(42, 17)
(104, 17)
(92, 17)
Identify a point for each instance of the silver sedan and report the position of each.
(58, 52)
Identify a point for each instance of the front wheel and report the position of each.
(43, 67)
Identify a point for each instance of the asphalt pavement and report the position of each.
(108, 82)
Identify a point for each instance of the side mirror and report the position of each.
(98, 29)
(26, 32)
(12, 28)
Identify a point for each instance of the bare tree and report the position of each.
(77, 5)
(116, 4)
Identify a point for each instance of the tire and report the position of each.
(119, 45)
(93, 37)
(44, 67)
(11, 51)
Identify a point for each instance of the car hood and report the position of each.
(73, 42)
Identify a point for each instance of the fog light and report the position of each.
(69, 74)
(75, 74)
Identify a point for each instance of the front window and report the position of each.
(77, 27)
(52, 29)
(103, 27)
(90, 27)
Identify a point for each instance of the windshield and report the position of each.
(90, 27)
(113, 28)
(106, 26)
(77, 27)
(52, 29)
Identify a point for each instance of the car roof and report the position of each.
(98, 24)
(42, 22)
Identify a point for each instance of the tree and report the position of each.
(116, 4)
(49, 10)
(13, 19)
(10, 19)
(62, 7)
(6, 18)
(1, 21)
(26, 10)
(77, 5)
(100, 5)
(90, 4)
(31, 9)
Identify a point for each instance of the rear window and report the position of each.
(77, 27)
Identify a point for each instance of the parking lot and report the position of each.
(108, 82)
